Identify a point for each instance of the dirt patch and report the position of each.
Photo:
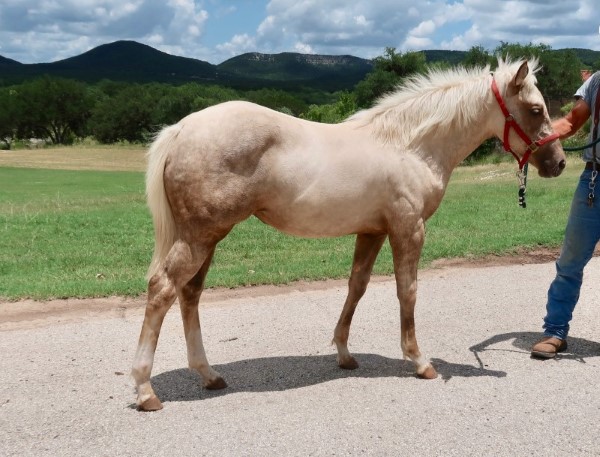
(31, 313)
(520, 257)
(77, 158)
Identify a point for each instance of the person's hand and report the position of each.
(573, 121)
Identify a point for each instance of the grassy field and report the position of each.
(73, 223)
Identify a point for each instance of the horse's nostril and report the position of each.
(562, 164)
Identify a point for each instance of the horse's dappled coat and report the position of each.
(380, 174)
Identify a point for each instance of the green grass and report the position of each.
(72, 233)
(89, 234)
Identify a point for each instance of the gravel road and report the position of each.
(65, 388)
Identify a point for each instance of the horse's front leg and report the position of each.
(406, 251)
(365, 252)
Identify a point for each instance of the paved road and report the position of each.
(65, 389)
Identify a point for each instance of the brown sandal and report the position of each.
(548, 347)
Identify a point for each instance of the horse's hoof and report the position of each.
(151, 404)
(429, 373)
(349, 363)
(216, 384)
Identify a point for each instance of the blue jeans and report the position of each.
(581, 235)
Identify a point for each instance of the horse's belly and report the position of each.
(323, 220)
(326, 199)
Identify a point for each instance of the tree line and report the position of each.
(63, 111)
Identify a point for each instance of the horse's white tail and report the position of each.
(164, 225)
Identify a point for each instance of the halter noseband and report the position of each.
(509, 121)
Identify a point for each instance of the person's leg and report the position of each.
(581, 235)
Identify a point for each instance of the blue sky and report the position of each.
(33, 31)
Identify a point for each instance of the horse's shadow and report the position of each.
(579, 349)
(274, 374)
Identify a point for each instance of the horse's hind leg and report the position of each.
(406, 250)
(189, 297)
(365, 252)
(181, 264)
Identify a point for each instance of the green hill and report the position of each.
(130, 61)
(134, 62)
(120, 61)
(319, 71)
(588, 57)
(452, 57)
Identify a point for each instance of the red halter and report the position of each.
(532, 146)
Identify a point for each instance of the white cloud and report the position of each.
(472, 37)
(303, 48)
(30, 29)
(425, 28)
(48, 30)
(413, 43)
(239, 44)
(362, 21)
(558, 23)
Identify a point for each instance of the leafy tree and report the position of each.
(477, 56)
(173, 106)
(277, 100)
(559, 75)
(401, 64)
(127, 116)
(8, 119)
(212, 95)
(388, 71)
(332, 113)
(53, 108)
(374, 86)
(177, 102)
(110, 88)
(521, 51)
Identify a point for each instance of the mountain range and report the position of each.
(135, 62)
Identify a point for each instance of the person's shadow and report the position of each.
(274, 374)
(578, 348)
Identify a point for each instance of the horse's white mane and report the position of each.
(437, 100)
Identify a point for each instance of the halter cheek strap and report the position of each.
(510, 122)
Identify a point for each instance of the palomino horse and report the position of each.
(382, 173)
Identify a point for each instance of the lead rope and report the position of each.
(522, 177)
(592, 184)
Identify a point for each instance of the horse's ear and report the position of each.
(519, 79)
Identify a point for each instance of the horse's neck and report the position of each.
(445, 150)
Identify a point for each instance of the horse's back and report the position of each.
(233, 133)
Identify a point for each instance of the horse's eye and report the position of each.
(536, 110)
